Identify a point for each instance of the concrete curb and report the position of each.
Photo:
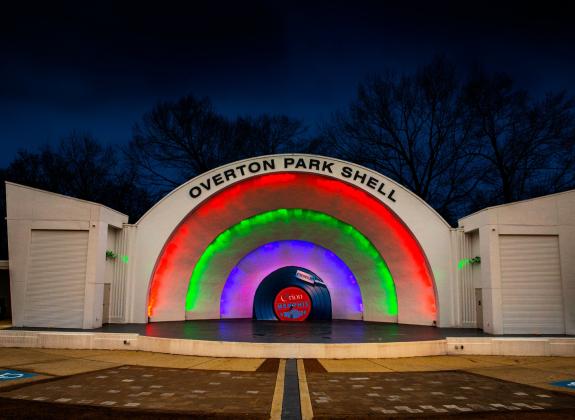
(516, 346)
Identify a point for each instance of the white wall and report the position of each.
(548, 215)
(29, 208)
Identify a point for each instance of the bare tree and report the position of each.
(413, 129)
(526, 145)
(181, 139)
(177, 140)
(268, 134)
(81, 167)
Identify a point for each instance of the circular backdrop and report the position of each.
(302, 285)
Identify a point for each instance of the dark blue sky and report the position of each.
(98, 68)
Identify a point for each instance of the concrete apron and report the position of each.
(516, 346)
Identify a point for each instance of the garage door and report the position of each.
(56, 280)
(531, 292)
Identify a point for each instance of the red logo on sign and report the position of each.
(292, 304)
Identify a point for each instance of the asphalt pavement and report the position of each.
(50, 383)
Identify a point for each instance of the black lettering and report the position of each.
(195, 192)
(241, 169)
(288, 162)
(218, 179)
(372, 183)
(207, 186)
(390, 196)
(359, 175)
(254, 167)
(230, 173)
(328, 167)
(300, 163)
(269, 165)
(314, 164)
(346, 172)
(380, 189)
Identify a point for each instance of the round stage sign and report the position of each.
(292, 304)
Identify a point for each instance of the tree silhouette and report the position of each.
(81, 167)
(179, 140)
(527, 146)
(78, 167)
(268, 134)
(414, 129)
(459, 145)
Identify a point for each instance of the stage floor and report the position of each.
(247, 330)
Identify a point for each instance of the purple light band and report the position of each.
(238, 293)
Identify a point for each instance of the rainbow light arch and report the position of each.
(242, 229)
(246, 198)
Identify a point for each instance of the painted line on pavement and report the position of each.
(277, 400)
(305, 400)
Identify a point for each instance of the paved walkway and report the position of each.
(133, 384)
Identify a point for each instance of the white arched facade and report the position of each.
(148, 237)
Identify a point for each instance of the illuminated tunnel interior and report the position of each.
(244, 279)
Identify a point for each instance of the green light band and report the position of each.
(244, 228)
(468, 261)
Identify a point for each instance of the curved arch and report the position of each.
(390, 236)
(244, 278)
(219, 258)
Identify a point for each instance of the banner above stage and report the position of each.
(308, 164)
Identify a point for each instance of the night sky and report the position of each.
(98, 68)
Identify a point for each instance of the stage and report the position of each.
(247, 330)
(269, 339)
